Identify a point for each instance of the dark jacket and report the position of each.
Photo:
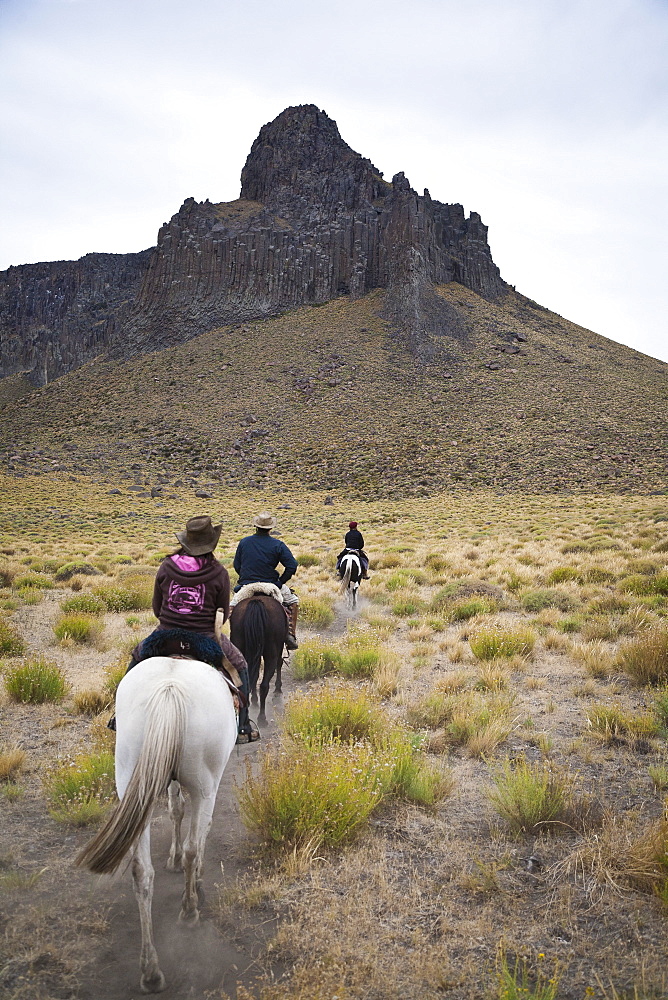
(257, 557)
(190, 600)
(354, 539)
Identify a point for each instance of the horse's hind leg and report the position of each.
(176, 811)
(152, 979)
(200, 822)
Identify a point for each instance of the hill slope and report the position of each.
(331, 395)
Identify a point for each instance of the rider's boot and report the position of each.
(291, 637)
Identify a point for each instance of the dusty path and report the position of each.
(197, 960)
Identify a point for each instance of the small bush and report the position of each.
(35, 681)
(492, 642)
(530, 797)
(659, 775)
(637, 584)
(536, 600)
(645, 658)
(610, 722)
(114, 674)
(77, 567)
(87, 604)
(660, 706)
(315, 659)
(362, 657)
(316, 612)
(406, 606)
(11, 643)
(82, 790)
(77, 628)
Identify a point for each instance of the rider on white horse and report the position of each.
(255, 561)
(354, 541)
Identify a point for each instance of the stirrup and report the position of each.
(252, 736)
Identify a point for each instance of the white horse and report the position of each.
(175, 728)
(350, 571)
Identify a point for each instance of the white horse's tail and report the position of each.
(157, 763)
(345, 579)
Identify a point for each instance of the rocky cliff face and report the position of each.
(55, 317)
(314, 220)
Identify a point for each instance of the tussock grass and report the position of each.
(11, 642)
(134, 594)
(114, 674)
(91, 702)
(610, 722)
(11, 763)
(530, 797)
(33, 581)
(645, 658)
(35, 681)
(536, 600)
(490, 642)
(342, 714)
(315, 659)
(466, 608)
(597, 660)
(87, 604)
(476, 720)
(82, 789)
(78, 628)
(317, 612)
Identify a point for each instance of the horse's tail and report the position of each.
(255, 624)
(157, 763)
(345, 579)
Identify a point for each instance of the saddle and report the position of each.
(181, 643)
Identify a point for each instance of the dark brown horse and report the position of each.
(258, 627)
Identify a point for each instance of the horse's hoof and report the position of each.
(155, 983)
(262, 721)
(174, 865)
(189, 918)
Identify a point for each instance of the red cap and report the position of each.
(352, 524)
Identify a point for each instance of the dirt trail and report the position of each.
(193, 960)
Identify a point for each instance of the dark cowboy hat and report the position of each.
(200, 535)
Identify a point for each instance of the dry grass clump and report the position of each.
(619, 856)
(611, 722)
(87, 604)
(78, 628)
(35, 681)
(645, 658)
(11, 642)
(315, 659)
(536, 600)
(531, 796)
(490, 642)
(11, 763)
(91, 702)
(81, 790)
(327, 714)
(475, 720)
(597, 660)
(134, 594)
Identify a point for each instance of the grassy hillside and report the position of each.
(329, 396)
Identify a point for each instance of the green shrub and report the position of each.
(536, 600)
(645, 658)
(491, 641)
(308, 559)
(443, 597)
(82, 790)
(637, 584)
(78, 567)
(562, 574)
(406, 606)
(87, 604)
(35, 681)
(660, 706)
(78, 628)
(569, 625)
(33, 580)
(135, 594)
(362, 657)
(313, 794)
(530, 796)
(342, 714)
(467, 608)
(11, 643)
(436, 562)
(316, 612)
(315, 659)
(114, 674)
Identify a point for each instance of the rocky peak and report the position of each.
(300, 159)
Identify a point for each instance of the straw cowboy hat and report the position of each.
(200, 536)
(265, 520)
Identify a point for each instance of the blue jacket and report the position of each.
(258, 555)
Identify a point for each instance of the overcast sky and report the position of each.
(548, 117)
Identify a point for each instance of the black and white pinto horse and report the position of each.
(350, 572)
